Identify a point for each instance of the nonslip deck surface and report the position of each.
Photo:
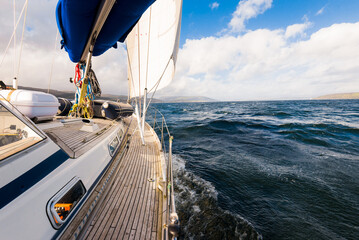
(71, 135)
(133, 206)
(74, 140)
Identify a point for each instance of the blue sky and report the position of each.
(229, 50)
(295, 23)
(199, 20)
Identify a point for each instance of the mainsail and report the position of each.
(91, 27)
(152, 47)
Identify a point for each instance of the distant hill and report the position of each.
(123, 98)
(70, 94)
(339, 96)
(175, 99)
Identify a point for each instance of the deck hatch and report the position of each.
(64, 202)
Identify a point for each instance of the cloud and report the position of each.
(38, 52)
(284, 63)
(214, 5)
(266, 64)
(246, 10)
(320, 11)
(297, 30)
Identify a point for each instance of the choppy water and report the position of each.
(271, 170)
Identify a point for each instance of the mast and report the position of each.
(102, 14)
(104, 11)
(154, 42)
(15, 40)
(145, 90)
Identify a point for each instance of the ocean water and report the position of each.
(266, 170)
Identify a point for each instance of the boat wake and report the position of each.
(198, 210)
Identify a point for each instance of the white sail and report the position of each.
(152, 47)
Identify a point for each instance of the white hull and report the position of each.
(32, 177)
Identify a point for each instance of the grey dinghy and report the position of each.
(100, 171)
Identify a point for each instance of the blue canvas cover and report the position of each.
(75, 19)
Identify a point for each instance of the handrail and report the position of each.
(171, 225)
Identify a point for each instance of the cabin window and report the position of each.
(64, 202)
(119, 134)
(15, 134)
(113, 145)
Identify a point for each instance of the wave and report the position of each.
(198, 210)
(289, 169)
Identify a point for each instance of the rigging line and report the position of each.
(158, 83)
(12, 36)
(139, 64)
(148, 45)
(131, 78)
(22, 39)
(53, 61)
(136, 108)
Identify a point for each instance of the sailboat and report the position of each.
(97, 170)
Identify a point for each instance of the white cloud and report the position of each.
(247, 9)
(320, 11)
(38, 52)
(265, 64)
(214, 5)
(259, 64)
(297, 30)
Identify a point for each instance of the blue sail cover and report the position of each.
(75, 19)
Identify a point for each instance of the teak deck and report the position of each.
(132, 206)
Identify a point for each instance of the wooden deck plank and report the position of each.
(140, 189)
(154, 216)
(142, 209)
(128, 189)
(103, 224)
(109, 234)
(152, 198)
(131, 208)
(136, 189)
(127, 194)
(123, 172)
(147, 203)
(140, 186)
(156, 209)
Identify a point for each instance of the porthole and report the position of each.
(61, 206)
(119, 134)
(113, 145)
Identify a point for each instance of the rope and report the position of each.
(139, 66)
(129, 64)
(159, 80)
(22, 38)
(15, 37)
(13, 33)
(82, 107)
(148, 48)
(158, 83)
(53, 60)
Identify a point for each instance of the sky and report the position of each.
(229, 50)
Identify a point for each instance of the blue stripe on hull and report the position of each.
(21, 184)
